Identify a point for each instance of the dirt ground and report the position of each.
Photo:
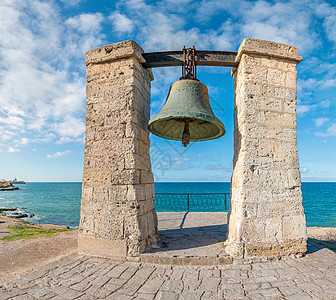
(22, 255)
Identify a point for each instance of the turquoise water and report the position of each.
(59, 203)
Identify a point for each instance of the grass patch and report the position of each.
(26, 232)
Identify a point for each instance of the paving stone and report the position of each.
(191, 285)
(234, 266)
(116, 271)
(230, 280)
(29, 297)
(97, 292)
(259, 279)
(151, 286)
(256, 286)
(116, 281)
(145, 272)
(314, 274)
(212, 295)
(172, 286)
(177, 273)
(165, 295)
(309, 286)
(270, 265)
(209, 284)
(263, 273)
(264, 293)
(100, 281)
(132, 286)
(111, 287)
(290, 290)
(40, 292)
(210, 273)
(191, 274)
(67, 293)
(82, 286)
(301, 296)
(18, 291)
(190, 295)
(4, 294)
(234, 294)
(159, 273)
(144, 296)
(33, 275)
(128, 273)
(105, 268)
(118, 296)
(285, 283)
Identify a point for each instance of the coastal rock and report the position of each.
(18, 215)
(7, 186)
(2, 210)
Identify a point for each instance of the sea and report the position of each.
(59, 202)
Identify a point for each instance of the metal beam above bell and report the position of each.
(203, 58)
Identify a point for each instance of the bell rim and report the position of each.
(218, 123)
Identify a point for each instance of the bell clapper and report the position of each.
(186, 134)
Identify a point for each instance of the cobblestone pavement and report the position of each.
(83, 277)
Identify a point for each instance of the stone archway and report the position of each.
(118, 217)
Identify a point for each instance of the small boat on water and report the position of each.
(15, 181)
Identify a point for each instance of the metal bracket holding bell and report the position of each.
(189, 67)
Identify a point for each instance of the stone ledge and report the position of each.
(267, 48)
(115, 51)
(125, 49)
(186, 261)
(268, 251)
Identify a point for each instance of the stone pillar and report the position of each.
(117, 212)
(266, 217)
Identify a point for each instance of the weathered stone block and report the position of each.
(291, 80)
(294, 227)
(276, 77)
(285, 93)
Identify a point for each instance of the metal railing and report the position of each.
(193, 202)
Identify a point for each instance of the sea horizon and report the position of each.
(166, 181)
(59, 202)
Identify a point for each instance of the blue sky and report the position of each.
(42, 78)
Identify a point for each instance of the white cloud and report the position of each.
(303, 108)
(320, 121)
(58, 154)
(121, 23)
(86, 22)
(42, 83)
(218, 167)
(12, 149)
(71, 3)
(304, 170)
(331, 131)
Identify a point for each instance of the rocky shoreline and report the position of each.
(12, 221)
(7, 186)
(12, 213)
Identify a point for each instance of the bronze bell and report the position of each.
(187, 114)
